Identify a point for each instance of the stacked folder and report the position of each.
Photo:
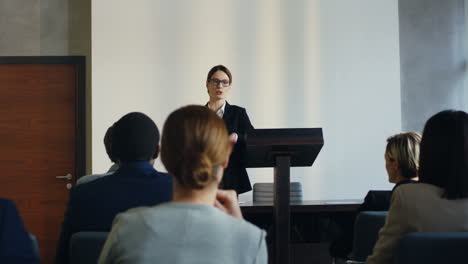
(264, 192)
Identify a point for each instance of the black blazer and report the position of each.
(235, 175)
(93, 205)
(380, 200)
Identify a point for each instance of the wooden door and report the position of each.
(41, 137)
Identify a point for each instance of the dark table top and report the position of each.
(308, 206)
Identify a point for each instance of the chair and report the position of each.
(366, 233)
(85, 247)
(433, 247)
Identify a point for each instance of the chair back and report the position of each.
(433, 247)
(85, 247)
(366, 233)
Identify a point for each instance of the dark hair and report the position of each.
(135, 137)
(219, 68)
(194, 143)
(444, 153)
(108, 144)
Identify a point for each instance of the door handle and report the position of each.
(68, 177)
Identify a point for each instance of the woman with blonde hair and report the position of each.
(402, 164)
(402, 157)
(439, 203)
(201, 224)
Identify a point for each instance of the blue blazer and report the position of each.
(92, 206)
(15, 244)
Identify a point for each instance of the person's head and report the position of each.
(108, 144)
(218, 82)
(444, 153)
(195, 147)
(135, 137)
(402, 156)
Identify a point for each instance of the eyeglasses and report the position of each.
(216, 82)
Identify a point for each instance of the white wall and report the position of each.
(329, 63)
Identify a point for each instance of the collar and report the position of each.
(136, 164)
(221, 111)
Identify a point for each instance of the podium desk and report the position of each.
(311, 225)
(307, 206)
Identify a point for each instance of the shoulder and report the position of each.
(416, 189)
(5, 202)
(7, 205)
(89, 188)
(164, 174)
(235, 108)
(252, 237)
(163, 180)
(91, 177)
(246, 231)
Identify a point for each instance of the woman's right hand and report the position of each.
(233, 138)
(226, 200)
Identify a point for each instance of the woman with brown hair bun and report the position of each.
(218, 85)
(195, 149)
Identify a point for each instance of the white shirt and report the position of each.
(220, 112)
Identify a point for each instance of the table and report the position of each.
(307, 222)
(308, 206)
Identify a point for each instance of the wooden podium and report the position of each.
(282, 149)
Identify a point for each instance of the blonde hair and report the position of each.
(194, 143)
(404, 148)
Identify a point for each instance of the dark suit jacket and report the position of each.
(235, 175)
(15, 244)
(380, 200)
(92, 206)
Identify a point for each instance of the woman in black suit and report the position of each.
(218, 83)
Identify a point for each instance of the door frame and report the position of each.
(80, 101)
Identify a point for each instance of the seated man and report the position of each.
(402, 164)
(112, 169)
(93, 206)
(15, 244)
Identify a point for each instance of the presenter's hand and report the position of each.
(233, 138)
(226, 200)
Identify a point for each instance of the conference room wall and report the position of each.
(332, 64)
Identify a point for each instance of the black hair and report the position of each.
(135, 137)
(108, 144)
(444, 153)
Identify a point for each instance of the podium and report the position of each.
(282, 149)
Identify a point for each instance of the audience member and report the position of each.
(112, 169)
(15, 244)
(402, 164)
(190, 229)
(93, 206)
(439, 203)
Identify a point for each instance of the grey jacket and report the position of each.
(180, 233)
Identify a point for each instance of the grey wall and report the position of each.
(49, 28)
(20, 27)
(433, 59)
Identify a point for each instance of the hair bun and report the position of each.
(198, 171)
